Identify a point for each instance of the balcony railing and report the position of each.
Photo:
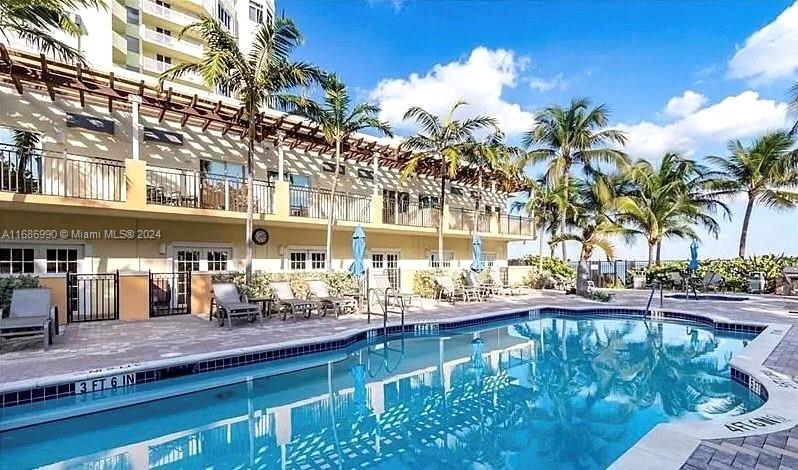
(516, 225)
(413, 214)
(175, 17)
(33, 171)
(181, 188)
(461, 218)
(181, 45)
(317, 203)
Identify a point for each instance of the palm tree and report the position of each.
(258, 78)
(576, 135)
(33, 21)
(442, 141)
(794, 105)
(593, 227)
(668, 201)
(543, 205)
(339, 120)
(765, 172)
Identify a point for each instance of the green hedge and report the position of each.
(734, 271)
(8, 284)
(555, 273)
(340, 282)
(424, 284)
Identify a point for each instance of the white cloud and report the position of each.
(740, 116)
(480, 80)
(542, 84)
(396, 5)
(688, 103)
(771, 52)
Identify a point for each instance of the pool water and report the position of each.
(552, 392)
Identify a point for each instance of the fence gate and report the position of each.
(170, 293)
(92, 297)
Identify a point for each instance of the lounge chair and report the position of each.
(381, 285)
(230, 304)
(285, 299)
(449, 290)
(676, 280)
(500, 286)
(711, 280)
(484, 290)
(790, 277)
(320, 291)
(31, 313)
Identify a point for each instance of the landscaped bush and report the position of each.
(340, 282)
(8, 284)
(734, 271)
(424, 284)
(556, 272)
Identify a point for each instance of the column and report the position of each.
(135, 103)
(375, 168)
(280, 155)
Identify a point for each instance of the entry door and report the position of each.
(186, 260)
(387, 263)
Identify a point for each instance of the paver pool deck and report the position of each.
(84, 347)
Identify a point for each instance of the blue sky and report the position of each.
(677, 75)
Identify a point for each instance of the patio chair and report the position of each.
(320, 291)
(381, 285)
(31, 313)
(500, 286)
(483, 290)
(790, 276)
(285, 299)
(676, 280)
(230, 304)
(711, 280)
(449, 290)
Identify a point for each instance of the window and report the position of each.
(132, 15)
(132, 68)
(255, 12)
(329, 167)
(217, 260)
(304, 260)
(365, 173)
(161, 3)
(220, 168)
(16, 260)
(447, 260)
(62, 260)
(455, 191)
(428, 202)
(132, 44)
(224, 90)
(163, 31)
(489, 259)
(163, 59)
(187, 260)
(223, 16)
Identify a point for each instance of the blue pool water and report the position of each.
(550, 392)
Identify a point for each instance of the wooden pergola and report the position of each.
(57, 79)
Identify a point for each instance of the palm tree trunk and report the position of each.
(744, 233)
(477, 203)
(440, 214)
(540, 249)
(331, 219)
(250, 196)
(565, 181)
(651, 245)
(659, 249)
(582, 275)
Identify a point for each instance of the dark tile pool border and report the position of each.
(60, 390)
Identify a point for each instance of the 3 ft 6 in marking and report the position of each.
(105, 383)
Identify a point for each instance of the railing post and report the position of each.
(226, 194)
(135, 177)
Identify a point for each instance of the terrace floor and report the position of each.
(88, 346)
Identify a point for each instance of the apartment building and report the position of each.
(125, 179)
(139, 39)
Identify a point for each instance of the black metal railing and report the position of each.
(170, 294)
(516, 225)
(317, 203)
(92, 297)
(181, 188)
(461, 218)
(33, 171)
(415, 214)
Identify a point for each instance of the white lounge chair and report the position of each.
(31, 313)
(320, 291)
(500, 286)
(285, 299)
(450, 291)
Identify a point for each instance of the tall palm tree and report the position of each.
(34, 21)
(543, 204)
(259, 78)
(669, 201)
(766, 172)
(794, 105)
(442, 142)
(576, 135)
(339, 120)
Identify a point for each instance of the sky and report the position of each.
(676, 75)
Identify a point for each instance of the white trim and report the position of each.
(85, 260)
(171, 248)
(308, 249)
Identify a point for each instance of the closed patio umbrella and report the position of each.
(476, 250)
(358, 252)
(693, 264)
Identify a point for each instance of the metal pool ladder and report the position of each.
(654, 286)
(385, 305)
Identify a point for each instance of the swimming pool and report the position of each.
(565, 392)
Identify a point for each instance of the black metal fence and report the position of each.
(317, 203)
(170, 294)
(415, 214)
(33, 171)
(92, 297)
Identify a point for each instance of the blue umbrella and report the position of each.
(476, 249)
(358, 252)
(693, 265)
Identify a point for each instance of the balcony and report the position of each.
(54, 174)
(181, 188)
(317, 203)
(159, 67)
(516, 225)
(416, 214)
(463, 219)
(184, 46)
(168, 14)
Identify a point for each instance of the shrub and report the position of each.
(556, 272)
(340, 282)
(8, 284)
(598, 296)
(424, 284)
